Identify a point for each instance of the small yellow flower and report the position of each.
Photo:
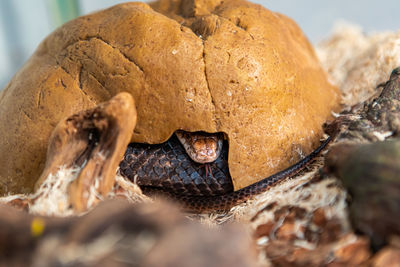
(37, 227)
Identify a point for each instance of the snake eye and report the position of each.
(200, 145)
(212, 146)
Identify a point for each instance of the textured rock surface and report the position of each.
(228, 66)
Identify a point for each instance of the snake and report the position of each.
(192, 168)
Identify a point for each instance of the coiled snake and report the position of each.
(201, 186)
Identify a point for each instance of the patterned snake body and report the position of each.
(167, 169)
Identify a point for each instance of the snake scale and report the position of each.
(167, 169)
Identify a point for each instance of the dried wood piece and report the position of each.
(374, 120)
(92, 143)
(371, 174)
(118, 233)
(387, 257)
(368, 164)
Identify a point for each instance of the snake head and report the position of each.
(200, 146)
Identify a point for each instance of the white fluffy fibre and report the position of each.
(294, 192)
(125, 189)
(52, 196)
(357, 63)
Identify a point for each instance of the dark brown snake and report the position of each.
(167, 169)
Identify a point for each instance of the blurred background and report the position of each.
(24, 23)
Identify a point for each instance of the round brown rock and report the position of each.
(215, 66)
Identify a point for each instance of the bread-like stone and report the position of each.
(216, 66)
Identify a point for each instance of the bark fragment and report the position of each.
(117, 233)
(368, 164)
(92, 142)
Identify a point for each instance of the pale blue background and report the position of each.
(24, 23)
